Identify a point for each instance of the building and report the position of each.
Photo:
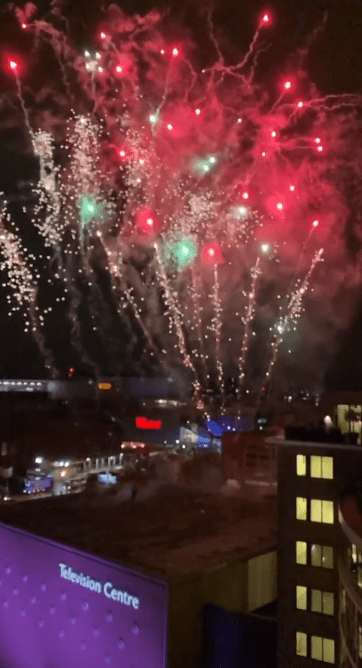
(314, 557)
(90, 386)
(350, 578)
(203, 550)
(344, 409)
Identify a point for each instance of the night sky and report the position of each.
(334, 63)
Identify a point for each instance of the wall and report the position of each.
(53, 616)
(262, 580)
(236, 640)
(228, 587)
(225, 586)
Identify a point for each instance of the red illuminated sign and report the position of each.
(144, 423)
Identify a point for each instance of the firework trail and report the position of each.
(247, 321)
(24, 291)
(293, 312)
(198, 322)
(216, 326)
(174, 311)
(47, 217)
(127, 299)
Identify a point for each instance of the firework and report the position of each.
(173, 183)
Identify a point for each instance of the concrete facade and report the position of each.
(303, 537)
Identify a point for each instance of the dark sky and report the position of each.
(334, 64)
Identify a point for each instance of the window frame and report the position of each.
(309, 555)
(318, 507)
(318, 466)
(323, 651)
(321, 594)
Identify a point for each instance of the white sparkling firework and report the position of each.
(162, 160)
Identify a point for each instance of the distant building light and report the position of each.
(105, 386)
(39, 460)
(107, 478)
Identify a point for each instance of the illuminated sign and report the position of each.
(144, 423)
(105, 386)
(67, 573)
(75, 610)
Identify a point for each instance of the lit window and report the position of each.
(327, 468)
(317, 648)
(327, 556)
(301, 648)
(316, 555)
(322, 649)
(301, 508)
(328, 650)
(322, 511)
(316, 600)
(322, 601)
(301, 552)
(321, 467)
(315, 467)
(316, 510)
(301, 598)
(328, 512)
(301, 465)
(328, 603)
(321, 555)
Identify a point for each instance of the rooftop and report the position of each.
(171, 535)
(314, 444)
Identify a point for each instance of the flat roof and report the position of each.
(312, 444)
(171, 535)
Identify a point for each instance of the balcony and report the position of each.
(350, 515)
